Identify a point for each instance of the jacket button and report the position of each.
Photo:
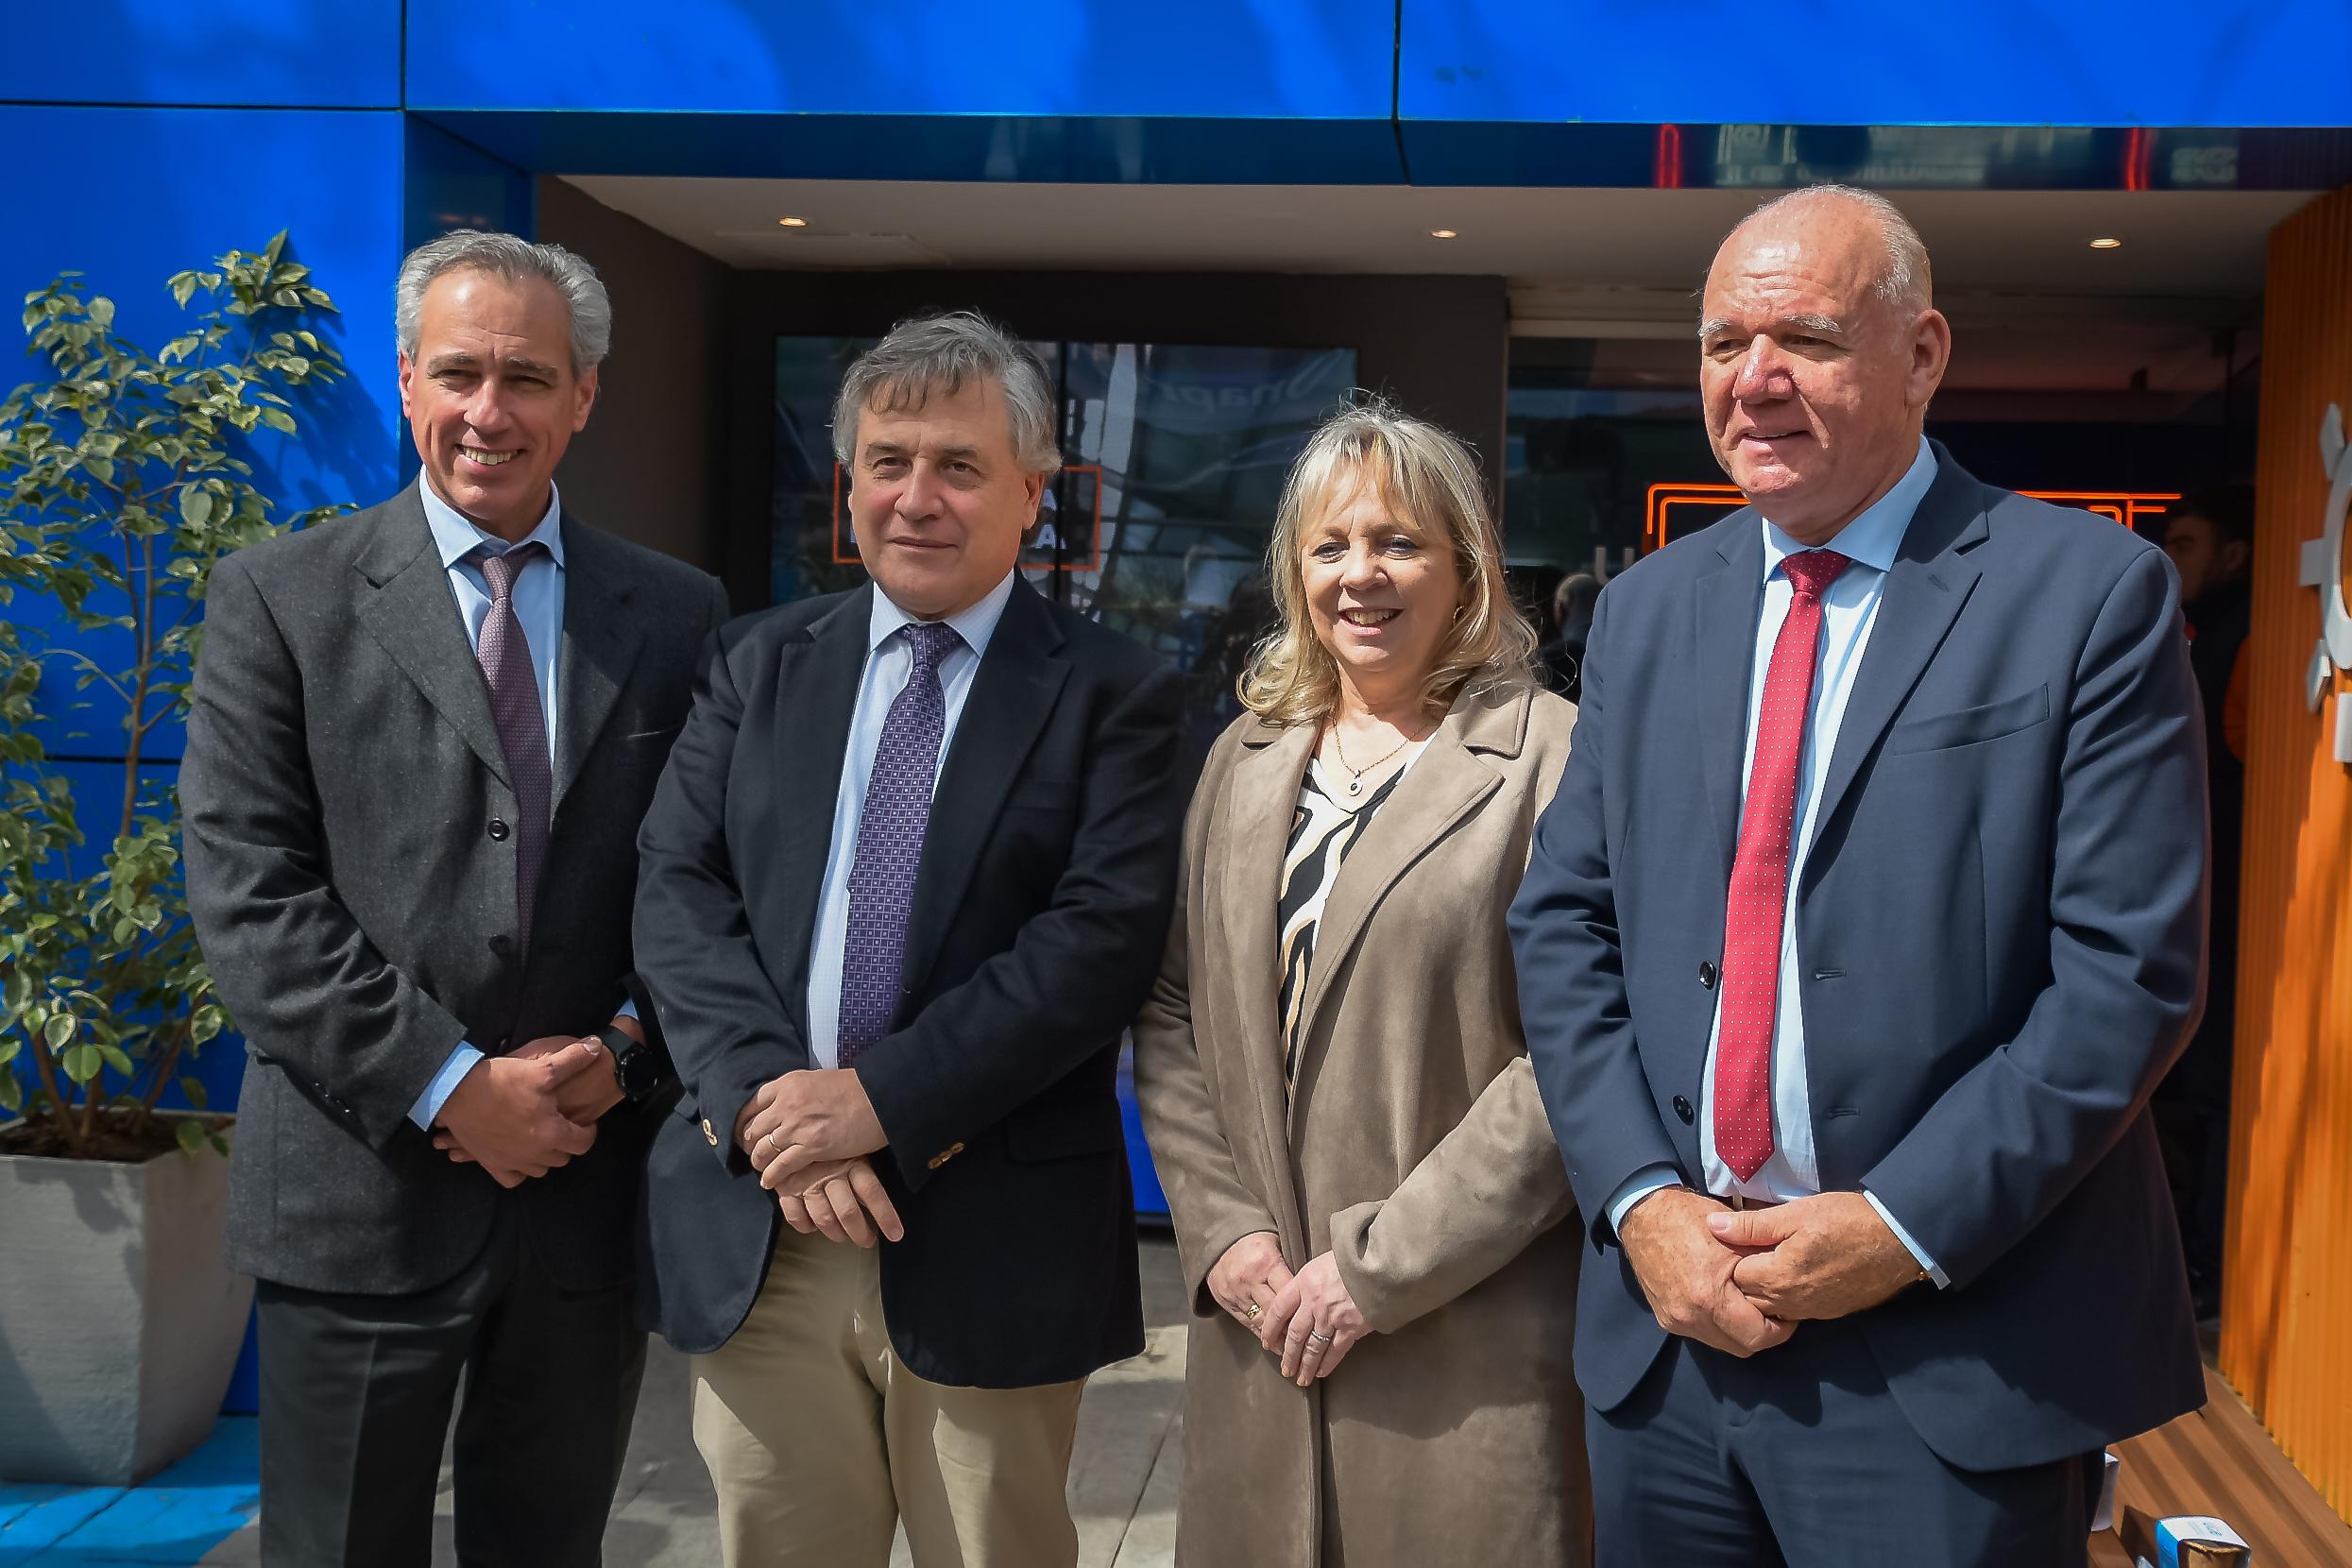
(1706, 974)
(499, 830)
(503, 944)
(1682, 1109)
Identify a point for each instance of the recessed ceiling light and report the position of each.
(793, 223)
(1445, 234)
(2107, 243)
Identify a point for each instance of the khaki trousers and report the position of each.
(820, 1442)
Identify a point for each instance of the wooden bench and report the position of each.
(2220, 1462)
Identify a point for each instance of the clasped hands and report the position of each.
(1741, 1282)
(808, 1134)
(524, 1114)
(1308, 1319)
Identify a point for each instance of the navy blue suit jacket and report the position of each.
(2001, 930)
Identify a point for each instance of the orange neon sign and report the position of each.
(2128, 507)
(845, 546)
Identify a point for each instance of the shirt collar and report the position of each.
(457, 536)
(976, 625)
(1872, 538)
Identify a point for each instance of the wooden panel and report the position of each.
(2218, 1460)
(2286, 1313)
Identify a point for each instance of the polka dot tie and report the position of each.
(891, 827)
(504, 656)
(1759, 873)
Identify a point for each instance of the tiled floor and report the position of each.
(1122, 1483)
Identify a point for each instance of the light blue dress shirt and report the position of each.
(540, 611)
(889, 663)
(1848, 609)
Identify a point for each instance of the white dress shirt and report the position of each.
(889, 664)
(1848, 609)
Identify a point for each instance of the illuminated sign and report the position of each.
(2323, 567)
(1670, 511)
(845, 543)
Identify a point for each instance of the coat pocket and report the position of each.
(1970, 726)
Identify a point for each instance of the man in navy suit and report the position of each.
(1849, 951)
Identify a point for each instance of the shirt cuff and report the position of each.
(1943, 1281)
(1649, 1179)
(428, 1107)
(628, 1010)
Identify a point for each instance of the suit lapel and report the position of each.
(1444, 785)
(600, 644)
(1012, 694)
(815, 697)
(1262, 793)
(1931, 580)
(1725, 604)
(413, 614)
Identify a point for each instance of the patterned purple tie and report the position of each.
(890, 844)
(505, 659)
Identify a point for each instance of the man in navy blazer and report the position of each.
(1869, 911)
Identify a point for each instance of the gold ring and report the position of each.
(1251, 1310)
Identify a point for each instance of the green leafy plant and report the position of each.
(121, 487)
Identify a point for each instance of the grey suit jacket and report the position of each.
(358, 916)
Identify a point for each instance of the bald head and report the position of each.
(1904, 280)
(1820, 351)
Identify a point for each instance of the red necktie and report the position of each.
(1751, 936)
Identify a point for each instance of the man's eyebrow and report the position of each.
(1828, 327)
(461, 361)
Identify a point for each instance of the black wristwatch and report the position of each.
(634, 1064)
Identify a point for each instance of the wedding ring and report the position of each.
(1314, 1338)
(1252, 1311)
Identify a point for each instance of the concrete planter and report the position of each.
(119, 1323)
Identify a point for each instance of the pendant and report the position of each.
(1355, 786)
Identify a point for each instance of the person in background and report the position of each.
(1562, 659)
(421, 740)
(2209, 536)
(1368, 1204)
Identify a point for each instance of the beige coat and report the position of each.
(1415, 1149)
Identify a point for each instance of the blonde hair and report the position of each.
(1429, 478)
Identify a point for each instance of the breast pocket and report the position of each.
(1970, 726)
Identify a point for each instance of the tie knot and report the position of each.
(931, 640)
(1811, 572)
(501, 569)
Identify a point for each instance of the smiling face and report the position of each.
(938, 499)
(1381, 591)
(491, 397)
(1813, 388)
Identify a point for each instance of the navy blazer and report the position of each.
(1041, 910)
(2001, 930)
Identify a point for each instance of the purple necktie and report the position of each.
(890, 844)
(505, 659)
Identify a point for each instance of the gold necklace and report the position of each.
(1356, 785)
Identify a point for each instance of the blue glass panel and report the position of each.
(176, 198)
(1933, 63)
(255, 54)
(1294, 59)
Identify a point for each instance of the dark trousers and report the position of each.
(355, 1400)
(1801, 1459)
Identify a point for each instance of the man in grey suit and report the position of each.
(1850, 950)
(422, 740)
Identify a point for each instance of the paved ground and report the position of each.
(1122, 1484)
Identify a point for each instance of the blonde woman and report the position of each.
(1366, 1198)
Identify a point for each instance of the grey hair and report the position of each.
(1905, 282)
(513, 258)
(941, 354)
